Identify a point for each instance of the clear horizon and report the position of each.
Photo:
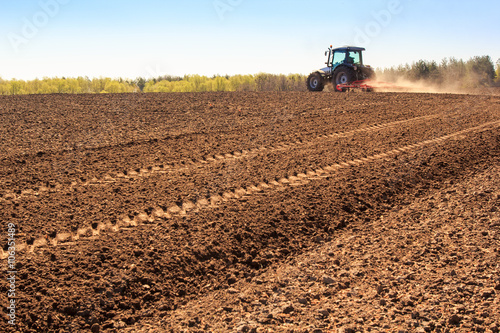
(128, 39)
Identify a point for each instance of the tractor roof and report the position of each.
(349, 48)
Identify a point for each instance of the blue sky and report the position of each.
(122, 38)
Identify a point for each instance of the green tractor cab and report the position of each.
(344, 66)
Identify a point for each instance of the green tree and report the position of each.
(84, 84)
(113, 87)
(221, 83)
(141, 83)
(497, 79)
(481, 70)
(420, 70)
(454, 71)
(99, 84)
(15, 87)
(4, 87)
(62, 86)
(73, 86)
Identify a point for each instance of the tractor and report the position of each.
(344, 70)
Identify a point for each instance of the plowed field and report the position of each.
(252, 212)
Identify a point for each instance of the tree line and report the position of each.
(475, 72)
(197, 83)
(63, 85)
(188, 83)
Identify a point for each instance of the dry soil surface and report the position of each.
(252, 212)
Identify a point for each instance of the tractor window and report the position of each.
(338, 57)
(354, 58)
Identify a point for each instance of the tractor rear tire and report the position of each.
(343, 75)
(315, 82)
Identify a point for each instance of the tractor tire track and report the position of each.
(164, 168)
(187, 207)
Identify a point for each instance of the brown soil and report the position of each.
(252, 212)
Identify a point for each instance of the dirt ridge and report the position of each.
(187, 206)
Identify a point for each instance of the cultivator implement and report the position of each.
(365, 85)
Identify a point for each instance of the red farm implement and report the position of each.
(365, 85)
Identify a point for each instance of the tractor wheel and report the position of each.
(343, 75)
(315, 82)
